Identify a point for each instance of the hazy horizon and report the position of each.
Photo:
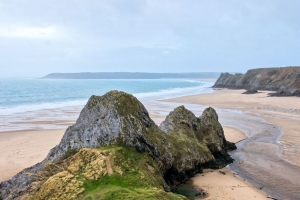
(42, 37)
(109, 72)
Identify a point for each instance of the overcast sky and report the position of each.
(38, 37)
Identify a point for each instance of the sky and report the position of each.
(38, 37)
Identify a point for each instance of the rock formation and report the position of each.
(285, 80)
(179, 148)
(251, 91)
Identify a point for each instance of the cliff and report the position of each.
(285, 80)
(96, 155)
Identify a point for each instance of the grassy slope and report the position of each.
(106, 173)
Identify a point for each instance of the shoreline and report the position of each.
(56, 115)
(262, 119)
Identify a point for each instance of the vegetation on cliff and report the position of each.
(112, 172)
(115, 150)
(284, 80)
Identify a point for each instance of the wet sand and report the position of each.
(269, 157)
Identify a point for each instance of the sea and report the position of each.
(30, 103)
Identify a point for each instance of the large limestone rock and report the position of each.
(206, 130)
(181, 146)
(111, 119)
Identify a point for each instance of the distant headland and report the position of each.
(284, 80)
(130, 75)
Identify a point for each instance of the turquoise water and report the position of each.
(17, 95)
(24, 103)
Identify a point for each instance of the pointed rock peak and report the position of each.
(179, 117)
(212, 131)
(114, 118)
(210, 114)
(182, 109)
(123, 102)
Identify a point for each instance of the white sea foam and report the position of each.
(39, 106)
(176, 92)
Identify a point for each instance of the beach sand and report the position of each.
(226, 186)
(269, 157)
(22, 149)
(233, 134)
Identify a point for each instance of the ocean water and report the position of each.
(27, 103)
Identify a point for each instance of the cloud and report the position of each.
(30, 32)
(40, 37)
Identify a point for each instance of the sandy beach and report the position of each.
(233, 134)
(22, 149)
(226, 186)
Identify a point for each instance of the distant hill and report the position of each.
(129, 75)
(284, 80)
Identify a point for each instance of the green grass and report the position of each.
(113, 193)
(129, 175)
(140, 179)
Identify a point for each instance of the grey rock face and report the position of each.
(284, 80)
(182, 145)
(182, 116)
(203, 137)
(212, 131)
(102, 122)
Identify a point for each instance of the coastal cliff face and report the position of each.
(96, 155)
(285, 80)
